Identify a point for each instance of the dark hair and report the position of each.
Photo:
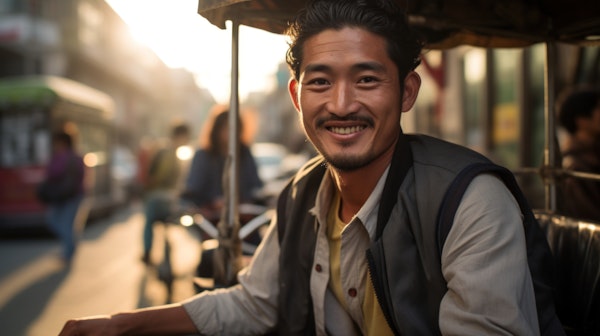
(220, 122)
(180, 130)
(577, 103)
(380, 17)
(63, 137)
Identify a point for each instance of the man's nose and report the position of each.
(342, 100)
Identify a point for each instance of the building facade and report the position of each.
(87, 41)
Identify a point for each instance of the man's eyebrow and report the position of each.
(374, 66)
(316, 68)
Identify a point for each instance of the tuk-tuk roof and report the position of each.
(446, 23)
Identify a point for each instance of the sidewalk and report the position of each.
(38, 293)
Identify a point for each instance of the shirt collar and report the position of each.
(367, 214)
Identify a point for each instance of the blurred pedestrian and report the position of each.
(579, 114)
(204, 184)
(163, 183)
(63, 191)
(144, 154)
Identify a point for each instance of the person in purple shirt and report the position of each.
(65, 164)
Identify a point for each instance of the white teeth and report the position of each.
(346, 130)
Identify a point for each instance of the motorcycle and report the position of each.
(254, 219)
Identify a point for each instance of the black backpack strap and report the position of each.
(454, 195)
(539, 257)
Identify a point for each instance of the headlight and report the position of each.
(186, 220)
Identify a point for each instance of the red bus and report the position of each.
(31, 108)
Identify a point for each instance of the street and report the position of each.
(38, 292)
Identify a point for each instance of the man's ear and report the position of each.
(412, 84)
(293, 90)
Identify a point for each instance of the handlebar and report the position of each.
(260, 216)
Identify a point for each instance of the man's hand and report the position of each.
(169, 319)
(89, 326)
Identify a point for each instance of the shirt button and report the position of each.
(352, 292)
(318, 268)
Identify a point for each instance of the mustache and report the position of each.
(367, 120)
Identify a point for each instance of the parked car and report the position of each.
(276, 164)
(124, 170)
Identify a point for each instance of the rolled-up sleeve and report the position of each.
(484, 261)
(249, 308)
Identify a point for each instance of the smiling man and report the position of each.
(350, 97)
(353, 247)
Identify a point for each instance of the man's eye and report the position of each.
(367, 79)
(318, 81)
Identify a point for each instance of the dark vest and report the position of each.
(403, 259)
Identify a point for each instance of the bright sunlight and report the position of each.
(182, 38)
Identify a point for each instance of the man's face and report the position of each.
(590, 125)
(349, 97)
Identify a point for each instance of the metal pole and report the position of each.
(234, 112)
(548, 173)
(227, 256)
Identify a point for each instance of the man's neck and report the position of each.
(356, 186)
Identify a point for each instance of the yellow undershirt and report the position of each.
(374, 320)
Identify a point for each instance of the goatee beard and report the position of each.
(347, 164)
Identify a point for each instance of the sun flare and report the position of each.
(184, 39)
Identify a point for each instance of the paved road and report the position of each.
(38, 293)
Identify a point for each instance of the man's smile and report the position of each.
(346, 130)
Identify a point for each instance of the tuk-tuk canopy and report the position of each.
(446, 23)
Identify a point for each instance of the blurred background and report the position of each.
(121, 72)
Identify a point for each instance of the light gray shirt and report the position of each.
(484, 262)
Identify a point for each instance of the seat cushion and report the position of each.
(576, 248)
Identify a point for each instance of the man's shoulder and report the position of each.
(435, 152)
(315, 165)
(308, 176)
(430, 143)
